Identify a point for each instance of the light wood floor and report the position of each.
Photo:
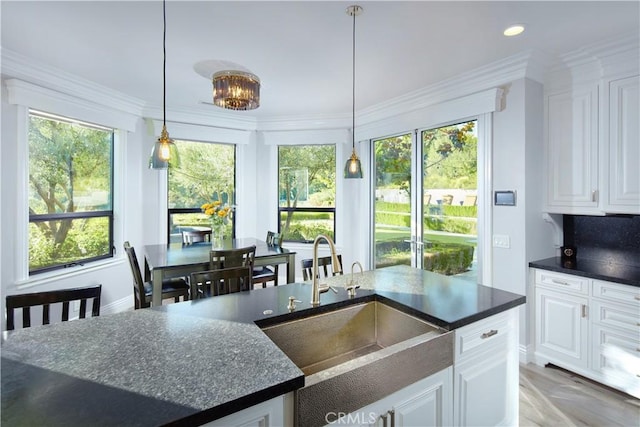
(554, 397)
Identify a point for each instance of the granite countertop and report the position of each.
(196, 361)
(594, 269)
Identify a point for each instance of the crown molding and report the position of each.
(201, 116)
(15, 65)
(522, 65)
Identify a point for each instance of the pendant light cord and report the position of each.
(353, 104)
(164, 63)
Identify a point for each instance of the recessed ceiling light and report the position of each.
(514, 30)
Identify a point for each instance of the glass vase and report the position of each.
(217, 237)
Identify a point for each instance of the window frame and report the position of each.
(109, 214)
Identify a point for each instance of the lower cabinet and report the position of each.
(589, 326)
(561, 333)
(266, 414)
(424, 403)
(486, 372)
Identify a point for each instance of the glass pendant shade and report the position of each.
(353, 168)
(164, 153)
(236, 90)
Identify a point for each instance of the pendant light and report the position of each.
(164, 152)
(353, 168)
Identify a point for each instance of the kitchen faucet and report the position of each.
(317, 289)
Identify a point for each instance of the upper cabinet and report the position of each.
(572, 150)
(622, 146)
(592, 144)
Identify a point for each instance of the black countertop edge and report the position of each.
(593, 269)
(234, 406)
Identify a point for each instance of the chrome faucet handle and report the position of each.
(292, 303)
(325, 288)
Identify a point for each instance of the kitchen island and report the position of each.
(197, 361)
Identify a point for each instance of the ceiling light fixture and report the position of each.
(236, 90)
(164, 152)
(353, 168)
(513, 30)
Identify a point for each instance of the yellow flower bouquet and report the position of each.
(217, 212)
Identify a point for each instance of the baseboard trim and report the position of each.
(123, 304)
(525, 354)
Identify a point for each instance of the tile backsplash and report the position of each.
(614, 239)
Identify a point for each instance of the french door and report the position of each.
(426, 199)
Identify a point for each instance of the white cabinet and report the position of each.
(623, 149)
(266, 414)
(486, 372)
(424, 403)
(591, 327)
(572, 150)
(562, 327)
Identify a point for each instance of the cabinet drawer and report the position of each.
(616, 292)
(616, 357)
(562, 282)
(491, 333)
(619, 315)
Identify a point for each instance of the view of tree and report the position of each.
(307, 177)
(450, 151)
(69, 172)
(205, 169)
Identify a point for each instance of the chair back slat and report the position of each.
(225, 258)
(221, 281)
(138, 284)
(323, 267)
(45, 299)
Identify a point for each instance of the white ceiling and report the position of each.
(301, 50)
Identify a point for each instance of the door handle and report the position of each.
(414, 242)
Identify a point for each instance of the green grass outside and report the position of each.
(385, 234)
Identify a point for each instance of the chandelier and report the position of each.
(164, 152)
(236, 90)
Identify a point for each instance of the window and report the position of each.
(307, 191)
(207, 173)
(70, 192)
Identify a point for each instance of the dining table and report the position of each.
(177, 259)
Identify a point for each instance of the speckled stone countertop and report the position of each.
(196, 361)
(594, 269)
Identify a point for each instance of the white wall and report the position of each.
(517, 161)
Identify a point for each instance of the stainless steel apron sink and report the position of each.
(356, 355)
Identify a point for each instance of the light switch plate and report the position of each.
(501, 241)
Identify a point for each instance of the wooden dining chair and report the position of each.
(268, 273)
(195, 236)
(172, 287)
(323, 267)
(225, 258)
(46, 299)
(221, 281)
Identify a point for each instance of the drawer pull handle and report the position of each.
(560, 282)
(489, 334)
(584, 310)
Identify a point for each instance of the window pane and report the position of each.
(307, 175)
(305, 226)
(70, 191)
(60, 242)
(70, 167)
(206, 173)
(306, 182)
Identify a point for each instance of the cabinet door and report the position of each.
(265, 414)
(624, 146)
(482, 395)
(616, 357)
(572, 151)
(562, 328)
(429, 407)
